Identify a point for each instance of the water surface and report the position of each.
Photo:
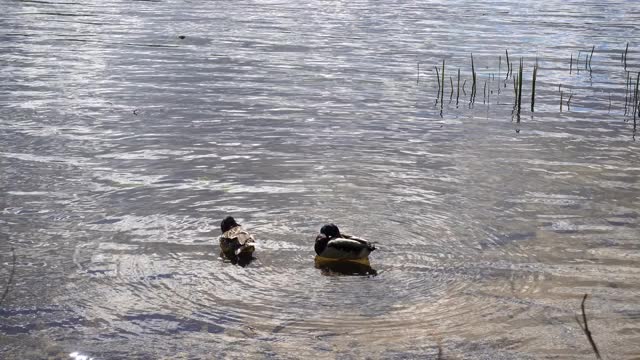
(123, 146)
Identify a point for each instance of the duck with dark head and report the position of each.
(331, 244)
(236, 244)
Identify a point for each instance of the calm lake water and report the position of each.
(123, 145)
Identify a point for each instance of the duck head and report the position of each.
(227, 224)
(331, 231)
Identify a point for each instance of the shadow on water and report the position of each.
(331, 267)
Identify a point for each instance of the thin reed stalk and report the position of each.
(569, 100)
(458, 92)
(11, 274)
(635, 101)
(451, 95)
(520, 86)
(508, 66)
(571, 64)
(626, 93)
(473, 85)
(484, 93)
(626, 52)
(560, 100)
(591, 56)
(515, 92)
(533, 85)
(442, 90)
(586, 62)
(439, 86)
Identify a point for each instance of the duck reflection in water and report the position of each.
(342, 253)
(344, 267)
(236, 244)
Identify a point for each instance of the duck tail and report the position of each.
(246, 248)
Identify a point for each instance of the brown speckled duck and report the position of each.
(235, 242)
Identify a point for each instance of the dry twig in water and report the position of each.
(585, 328)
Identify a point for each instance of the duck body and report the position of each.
(333, 245)
(344, 247)
(235, 242)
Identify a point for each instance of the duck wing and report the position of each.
(346, 244)
(342, 248)
(240, 235)
(362, 241)
(245, 238)
(236, 241)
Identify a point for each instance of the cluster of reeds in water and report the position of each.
(632, 91)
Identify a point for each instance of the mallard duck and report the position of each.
(331, 244)
(235, 242)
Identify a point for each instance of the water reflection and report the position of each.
(331, 267)
(242, 260)
(78, 356)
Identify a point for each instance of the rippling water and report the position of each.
(123, 145)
